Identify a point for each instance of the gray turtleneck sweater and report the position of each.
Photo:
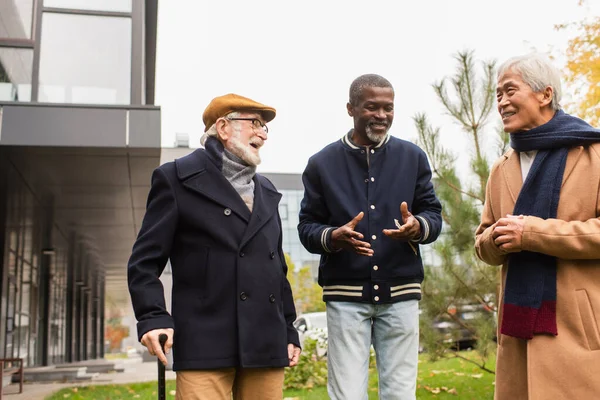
(235, 170)
(240, 175)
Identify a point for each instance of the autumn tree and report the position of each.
(461, 283)
(582, 70)
(308, 296)
(114, 330)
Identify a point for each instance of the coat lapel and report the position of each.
(266, 202)
(514, 178)
(572, 158)
(512, 175)
(200, 175)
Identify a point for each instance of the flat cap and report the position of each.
(223, 105)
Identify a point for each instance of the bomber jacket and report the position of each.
(344, 179)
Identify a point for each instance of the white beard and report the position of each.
(374, 137)
(243, 151)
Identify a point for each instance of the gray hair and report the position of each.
(212, 131)
(367, 80)
(538, 72)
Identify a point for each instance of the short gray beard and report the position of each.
(374, 137)
(242, 151)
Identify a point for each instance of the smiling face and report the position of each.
(520, 108)
(373, 114)
(242, 137)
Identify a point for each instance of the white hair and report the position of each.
(538, 72)
(212, 131)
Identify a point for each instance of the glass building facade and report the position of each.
(79, 137)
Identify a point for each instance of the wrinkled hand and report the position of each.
(508, 233)
(345, 237)
(150, 340)
(294, 354)
(411, 230)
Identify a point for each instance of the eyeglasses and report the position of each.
(256, 123)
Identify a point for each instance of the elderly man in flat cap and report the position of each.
(217, 221)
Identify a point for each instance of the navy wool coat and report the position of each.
(232, 304)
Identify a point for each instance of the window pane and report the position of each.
(85, 59)
(15, 21)
(98, 5)
(15, 74)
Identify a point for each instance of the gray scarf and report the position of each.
(234, 169)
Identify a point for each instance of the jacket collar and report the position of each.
(347, 141)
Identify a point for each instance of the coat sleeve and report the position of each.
(289, 309)
(313, 230)
(426, 207)
(485, 247)
(150, 254)
(572, 240)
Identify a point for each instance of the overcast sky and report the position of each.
(300, 57)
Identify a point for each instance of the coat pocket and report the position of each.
(588, 319)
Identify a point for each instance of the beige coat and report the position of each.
(565, 367)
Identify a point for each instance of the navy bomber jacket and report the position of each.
(344, 179)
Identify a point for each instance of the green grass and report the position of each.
(455, 379)
(445, 379)
(138, 391)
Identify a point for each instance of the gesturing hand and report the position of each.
(345, 237)
(409, 231)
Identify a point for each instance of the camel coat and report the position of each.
(567, 366)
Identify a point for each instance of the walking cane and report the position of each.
(162, 339)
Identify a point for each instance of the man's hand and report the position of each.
(294, 354)
(345, 237)
(411, 229)
(508, 233)
(150, 340)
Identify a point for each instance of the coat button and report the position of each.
(227, 211)
(242, 254)
(272, 255)
(272, 298)
(243, 296)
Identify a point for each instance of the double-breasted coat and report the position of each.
(567, 366)
(232, 304)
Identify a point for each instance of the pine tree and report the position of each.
(461, 284)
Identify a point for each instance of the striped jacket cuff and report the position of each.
(326, 239)
(424, 229)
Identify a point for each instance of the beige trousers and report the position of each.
(221, 384)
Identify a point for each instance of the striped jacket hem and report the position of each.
(373, 292)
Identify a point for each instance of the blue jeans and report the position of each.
(393, 329)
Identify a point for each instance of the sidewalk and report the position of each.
(135, 371)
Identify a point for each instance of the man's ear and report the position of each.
(350, 109)
(222, 129)
(547, 95)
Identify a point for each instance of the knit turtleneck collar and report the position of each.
(234, 169)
